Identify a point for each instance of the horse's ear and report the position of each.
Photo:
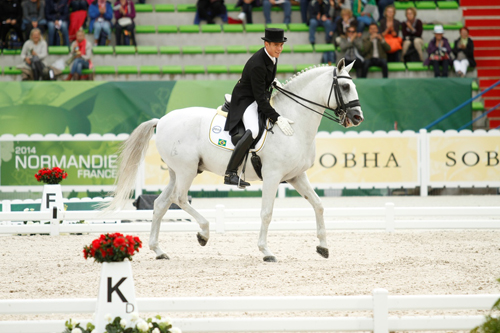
(349, 67)
(341, 65)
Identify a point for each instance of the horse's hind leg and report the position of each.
(161, 205)
(302, 185)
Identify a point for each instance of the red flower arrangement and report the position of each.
(112, 248)
(51, 176)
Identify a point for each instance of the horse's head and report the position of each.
(346, 96)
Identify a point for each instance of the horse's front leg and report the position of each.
(269, 189)
(302, 185)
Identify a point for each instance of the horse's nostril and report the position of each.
(358, 118)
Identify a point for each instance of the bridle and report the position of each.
(339, 113)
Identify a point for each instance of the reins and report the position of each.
(339, 113)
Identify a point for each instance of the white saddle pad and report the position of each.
(220, 138)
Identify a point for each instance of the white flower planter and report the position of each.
(116, 294)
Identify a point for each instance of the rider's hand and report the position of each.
(277, 83)
(284, 125)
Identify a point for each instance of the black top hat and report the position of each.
(274, 35)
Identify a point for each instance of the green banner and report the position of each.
(86, 162)
(119, 107)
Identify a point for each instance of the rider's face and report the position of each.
(274, 49)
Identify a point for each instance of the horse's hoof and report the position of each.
(323, 251)
(162, 256)
(202, 240)
(270, 259)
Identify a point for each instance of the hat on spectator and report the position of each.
(438, 29)
(275, 35)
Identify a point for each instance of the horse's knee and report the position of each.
(266, 216)
(319, 209)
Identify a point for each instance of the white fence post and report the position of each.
(54, 222)
(380, 311)
(424, 162)
(389, 217)
(6, 208)
(220, 227)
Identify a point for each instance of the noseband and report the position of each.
(340, 112)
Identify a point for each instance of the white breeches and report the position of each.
(251, 119)
(461, 65)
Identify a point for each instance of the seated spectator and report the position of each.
(81, 51)
(412, 36)
(382, 5)
(304, 10)
(11, 15)
(33, 16)
(338, 6)
(375, 51)
(347, 20)
(390, 31)
(246, 8)
(365, 12)
(319, 12)
(77, 17)
(125, 26)
(286, 5)
(101, 14)
(33, 53)
(208, 10)
(351, 48)
(57, 15)
(439, 52)
(464, 53)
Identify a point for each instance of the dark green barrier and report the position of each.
(118, 107)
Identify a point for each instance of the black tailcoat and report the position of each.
(254, 85)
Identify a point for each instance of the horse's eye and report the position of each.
(345, 87)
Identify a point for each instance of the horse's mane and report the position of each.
(313, 70)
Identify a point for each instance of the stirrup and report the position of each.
(232, 178)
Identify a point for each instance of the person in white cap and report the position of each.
(439, 51)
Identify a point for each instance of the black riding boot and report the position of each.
(239, 153)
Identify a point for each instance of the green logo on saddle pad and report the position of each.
(222, 142)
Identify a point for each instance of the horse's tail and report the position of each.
(132, 153)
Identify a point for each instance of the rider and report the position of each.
(250, 96)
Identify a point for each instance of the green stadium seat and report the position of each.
(232, 28)
(403, 5)
(255, 27)
(12, 71)
(58, 50)
(236, 69)
(66, 71)
(216, 69)
(475, 86)
(143, 8)
(170, 50)
(171, 69)
(194, 69)
(278, 25)
(127, 70)
(416, 66)
(455, 26)
(147, 50)
(302, 48)
(191, 49)
(295, 8)
(125, 49)
(149, 69)
(87, 71)
(477, 106)
(396, 67)
(287, 48)
(181, 8)
(145, 29)
(425, 5)
(211, 28)
(285, 69)
(214, 49)
(232, 49)
(375, 69)
(189, 28)
(105, 70)
(298, 27)
(303, 66)
(231, 7)
(164, 8)
(448, 5)
(254, 48)
(324, 47)
(167, 29)
(11, 52)
(102, 50)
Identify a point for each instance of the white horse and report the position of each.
(181, 140)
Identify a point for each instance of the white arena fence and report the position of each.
(379, 303)
(221, 219)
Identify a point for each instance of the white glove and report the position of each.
(284, 125)
(277, 83)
